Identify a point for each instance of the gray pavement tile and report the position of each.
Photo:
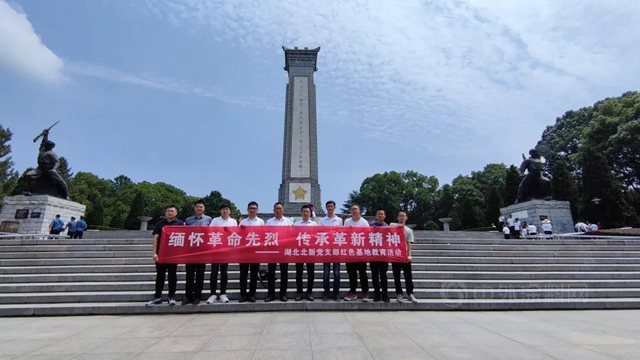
(327, 317)
(53, 333)
(243, 329)
(165, 356)
(249, 318)
(342, 354)
(286, 327)
(42, 357)
(178, 344)
(331, 341)
(514, 352)
(148, 331)
(533, 338)
(331, 328)
(210, 320)
(285, 342)
(189, 330)
(173, 320)
(435, 339)
(572, 352)
(592, 337)
(232, 342)
(375, 328)
(404, 353)
(21, 347)
(458, 353)
(17, 333)
(298, 354)
(125, 345)
(483, 338)
(112, 356)
(224, 355)
(288, 318)
(618, 351)
(104, 332)
(460, 327)
(70, 346)
(382, 340)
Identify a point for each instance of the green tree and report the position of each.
(212, 204)
(382, 191)
(95, 193)
(352, 198)
(564, 187)
(624, 152)
(468, 209)
(137, 209)
(512, 182)
(492, 206)
(65, 170)
(445, 201)
(8, 176)
(598, 182)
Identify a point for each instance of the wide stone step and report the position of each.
(110, 269)
(417, 274)
(147, 260)
(76, 248)
(81, 254)
(150, 268)
(25, 288)
(136, 308)
(448, 295)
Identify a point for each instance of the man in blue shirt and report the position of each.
(56, 226)
(379, 268)
(71, 227)
(81, 226)
(193, 290)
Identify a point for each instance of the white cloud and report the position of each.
(162, 83)
(484, 75)
(22, 50)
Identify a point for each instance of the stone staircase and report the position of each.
(452, 271)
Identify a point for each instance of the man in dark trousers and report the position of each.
(170, 214)
(278, 219)
(404, 267)
(306, 221)
(379, 268)
(250, 269)
(193, 290)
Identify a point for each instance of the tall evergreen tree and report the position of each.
(8, 176)
(137, 209)
(65, 170)
(599, 182)
(511, 184)
(493, 204)
(564, 187)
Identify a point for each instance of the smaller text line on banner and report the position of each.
(281, 244)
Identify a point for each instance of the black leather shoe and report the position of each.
(186, 302)
(283, 298)
(310, 297)
(242, 299)
(196, 302)
(251, 299)
(299, 297)
(269, 299)
(385, 298)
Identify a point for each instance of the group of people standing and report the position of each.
(195, 273)
(515, 229)
(75, 228)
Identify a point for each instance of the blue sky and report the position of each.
(191, 92)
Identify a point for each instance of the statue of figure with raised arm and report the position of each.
(534, 185)
(45, 179)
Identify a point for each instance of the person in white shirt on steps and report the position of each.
(223, 220)
(331, 220)
(278, 220)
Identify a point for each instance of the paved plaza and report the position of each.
(582, 335)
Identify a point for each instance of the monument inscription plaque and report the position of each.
(22, 214)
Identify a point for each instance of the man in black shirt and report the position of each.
(193, 289)
(170, 219)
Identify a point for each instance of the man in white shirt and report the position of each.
(252, 269)
(532, 230)
(547, 229)
(506, 231)
(404, 267)
(355, 268)
(223, 220)
(306, 221)
(516, 228)
(511, 224)
(278, 220)
(593, 227)
(581, 227)
(331, 220)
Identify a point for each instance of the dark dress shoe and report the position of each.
(251, 299)
(283, 298)
(242, 299)
(269, 299)
(299, 297)
(196, 302)
(186, 302)
(309, 297)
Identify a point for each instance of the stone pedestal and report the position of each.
(534, 211)
(36, 212)
(144, 222)
(445, 223)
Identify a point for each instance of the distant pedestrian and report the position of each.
(81, 226)
(71, 227)
(56, 226)
(506, 231)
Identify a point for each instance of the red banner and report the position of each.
(281, 244)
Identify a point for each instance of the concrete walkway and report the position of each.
(565, 335)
